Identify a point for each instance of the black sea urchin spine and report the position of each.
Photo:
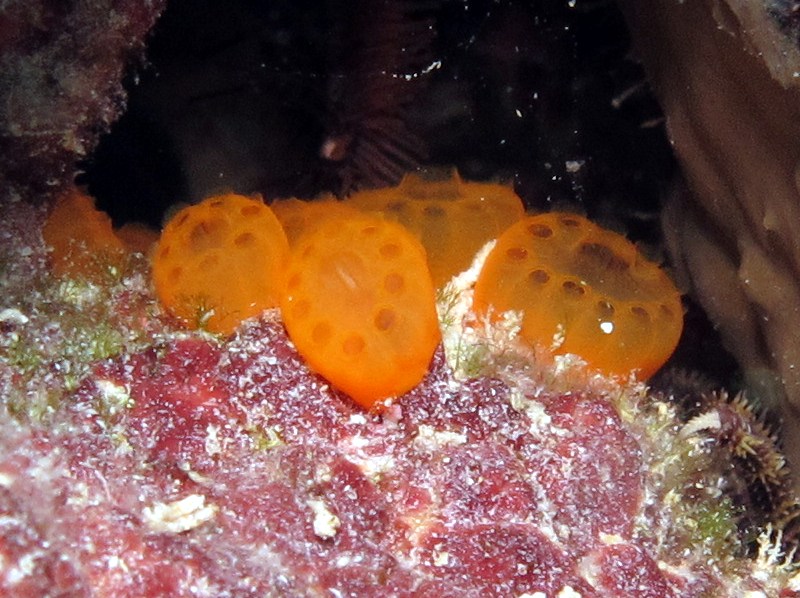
(381, 58)
(758, 479)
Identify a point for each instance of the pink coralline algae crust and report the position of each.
(600, 454)
(451, 492)
(625, 570)
(140, 460)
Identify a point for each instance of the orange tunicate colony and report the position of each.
(80, 236)
(221, 261)
(357, 287)
(360, 306)
(583, 290)
(451, 217)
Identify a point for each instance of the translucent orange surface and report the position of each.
(81, 236)
(137, 237)
(298, 216)
(452, 218)
(583, 290)
(220, 261)
(360, 306)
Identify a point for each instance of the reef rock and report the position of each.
(174, 462)
(726, 74)
(61, 71)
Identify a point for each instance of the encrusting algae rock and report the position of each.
(187, 457)
(61, 71)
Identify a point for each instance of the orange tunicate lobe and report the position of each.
(298, 216)
(452, 218)
(220, 261)
(80, 236)
(360, 306)
(583, 290)
(137, 237)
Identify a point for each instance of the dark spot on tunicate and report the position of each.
(206, 234)
(251, 210)
(516, 254)
(570, 222)
(605, 309)
(294, 281)
(385, 319)
(540, 230)
(245, 240)
(353, 344)
(209, 262)
(390, 250)
(604, 257)
(573, 288)
(434, 211)
(538, 276)
(394, 283)
(321, 333)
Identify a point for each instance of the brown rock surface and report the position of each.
(61, 71)
(726, 74)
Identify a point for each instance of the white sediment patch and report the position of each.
(180, 515)
(326, 523)
(428, 438)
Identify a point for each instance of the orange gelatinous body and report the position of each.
(221, 261)
(452, 218)
(137, 237)
(298, 216)
(360, 306)
(81, 236)
(583, 290)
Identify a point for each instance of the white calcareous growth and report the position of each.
(326, 524)
(180, 515)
